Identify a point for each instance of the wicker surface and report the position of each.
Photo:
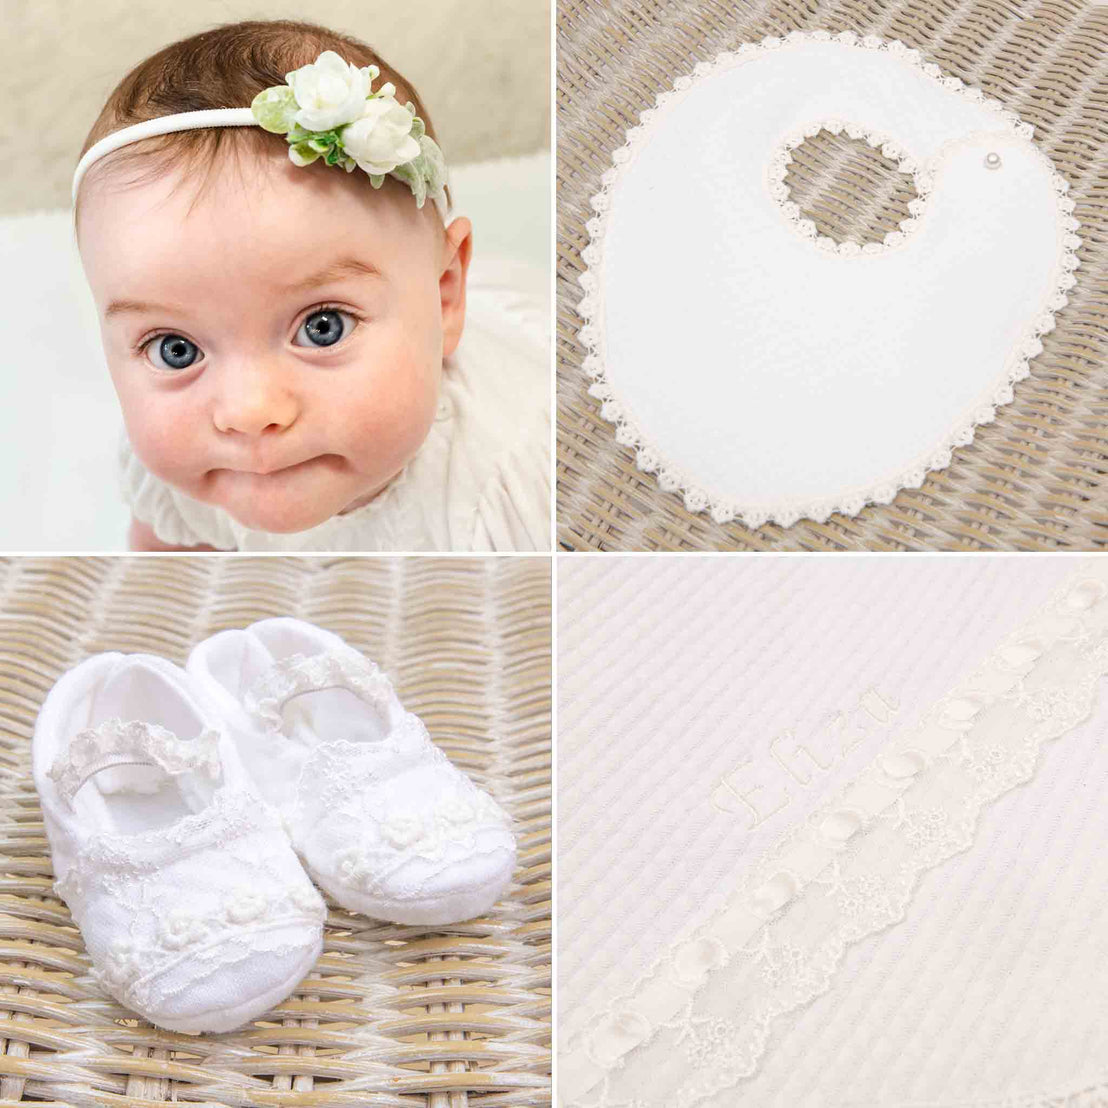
(391, 1015)
(1036, 478)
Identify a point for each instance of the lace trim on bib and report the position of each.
(851, 869)
(590, 307)
(776, 175)
(303, 673)
(136, 742)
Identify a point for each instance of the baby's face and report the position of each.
(277, 351)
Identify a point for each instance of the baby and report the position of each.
(282, 296)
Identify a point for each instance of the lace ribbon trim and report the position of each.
(669, 476)
(135, 742)
(922, 179)
(131, 969)
(303, 673)
(851, 869)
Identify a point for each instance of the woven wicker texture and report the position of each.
(391, 1015)
(1036, 478)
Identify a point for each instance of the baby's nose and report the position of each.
(255, 402)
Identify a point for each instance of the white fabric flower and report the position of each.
(350, 864)
(456, 810)
(403, 831)
(245, 906)
(329, 91)
(179, 930)
(122, 962)
(382, 138)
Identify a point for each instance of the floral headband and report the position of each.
(327, 110)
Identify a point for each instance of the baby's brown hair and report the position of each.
(225, 67)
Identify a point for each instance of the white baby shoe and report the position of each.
(194, 909)
(380, 817)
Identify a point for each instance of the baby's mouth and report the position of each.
(272, 470)
(328, 461)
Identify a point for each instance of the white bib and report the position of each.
(770, 373)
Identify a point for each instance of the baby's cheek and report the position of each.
(386, 420)
(163, 432)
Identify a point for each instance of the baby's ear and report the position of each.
(457, 248)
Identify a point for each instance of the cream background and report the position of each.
(481, 68)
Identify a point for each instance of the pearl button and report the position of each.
(992, 160)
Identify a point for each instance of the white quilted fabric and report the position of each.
(706, 707)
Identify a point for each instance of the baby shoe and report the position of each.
(194, 908)
(380, 817)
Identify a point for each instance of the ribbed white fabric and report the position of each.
(672, 672)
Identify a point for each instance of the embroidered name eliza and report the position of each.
(761, 790)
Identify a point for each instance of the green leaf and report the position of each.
(274, 108)
(302, 154)
(412, 174)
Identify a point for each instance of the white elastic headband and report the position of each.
(182, 121)
(163, 125)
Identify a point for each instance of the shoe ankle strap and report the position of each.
(304, 673)
(116, 742)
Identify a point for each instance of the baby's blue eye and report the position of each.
(323, 327)
(175, 352)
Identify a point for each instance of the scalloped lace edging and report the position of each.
(670, 477)
(851, 869)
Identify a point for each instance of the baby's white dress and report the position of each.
(481, 479)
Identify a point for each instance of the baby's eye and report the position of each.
(325, 326)
(175, 352)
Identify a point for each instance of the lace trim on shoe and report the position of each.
(462, 812)
(262, 895)
(233, 814)
(669, 476)
(850, 870)
(244, 925)
(303, 673)
(132, 743)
